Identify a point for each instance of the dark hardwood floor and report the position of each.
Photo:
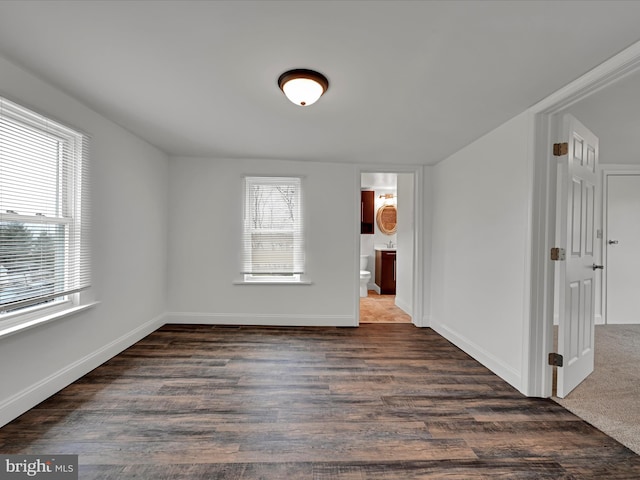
(375, 402)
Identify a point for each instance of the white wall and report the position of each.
(480, 247)
(405, 258)
(129, 197)
(205, 217)
(426, 193)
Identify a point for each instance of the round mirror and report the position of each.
(386, 218)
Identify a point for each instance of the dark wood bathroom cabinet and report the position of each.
(367, 213)
(386, 271)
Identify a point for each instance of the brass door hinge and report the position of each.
(560, 149)
(555, 360)
(558, 254)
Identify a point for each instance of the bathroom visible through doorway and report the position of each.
(386, 247)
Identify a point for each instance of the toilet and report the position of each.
(365, 276)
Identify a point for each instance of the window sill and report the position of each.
(272, 282)
(22, 325)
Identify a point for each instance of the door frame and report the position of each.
(609, 171)
(417, 317)
(538, 333)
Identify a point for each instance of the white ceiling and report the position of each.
(410, 82)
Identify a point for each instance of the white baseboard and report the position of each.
(28, 398)
(404, 306)
(497, 366)
(424, 322)
(287, 320)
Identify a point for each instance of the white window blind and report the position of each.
(44, 210)
(273, 227)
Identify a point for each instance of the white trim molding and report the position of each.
(403, 305)
(503, 370)
(21, 324)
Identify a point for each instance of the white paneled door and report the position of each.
(577, 188)
(623, 252)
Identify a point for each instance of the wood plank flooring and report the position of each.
(375, 402)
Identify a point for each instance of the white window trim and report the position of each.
(254, 280)
(40, 315)
(294, 279)
(72, 303)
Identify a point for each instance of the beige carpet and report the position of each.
(609, 398)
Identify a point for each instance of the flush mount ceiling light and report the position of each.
(303, 87)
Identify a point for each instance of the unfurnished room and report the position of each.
(319, 239)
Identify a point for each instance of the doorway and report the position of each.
(386, 247)
(594, 91)
(621, 206)
(611, 112)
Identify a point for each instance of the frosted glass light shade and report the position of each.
(303, 87)
(302, 91)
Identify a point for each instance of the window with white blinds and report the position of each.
(44, 210)
(273, 247)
